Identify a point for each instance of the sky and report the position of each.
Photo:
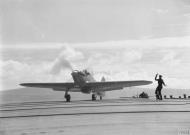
(43, 41)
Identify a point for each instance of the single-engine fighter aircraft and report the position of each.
(85, 83)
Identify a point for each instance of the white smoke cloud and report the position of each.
(60, 64)
(65, 59)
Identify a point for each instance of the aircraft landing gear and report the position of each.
(93, 97)
(67, 97)
(100, 97)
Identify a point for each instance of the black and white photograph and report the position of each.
(94, 67)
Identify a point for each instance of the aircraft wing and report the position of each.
(116, 85)
(54, 86)
(98, 86)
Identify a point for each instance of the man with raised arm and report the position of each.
(159, 87)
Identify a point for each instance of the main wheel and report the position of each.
(68, 98)
(93, 97)
(100, 97)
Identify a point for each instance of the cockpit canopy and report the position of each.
(84, 72)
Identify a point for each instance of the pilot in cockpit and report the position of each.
(86, 72)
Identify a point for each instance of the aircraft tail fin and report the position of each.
(103, 79)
